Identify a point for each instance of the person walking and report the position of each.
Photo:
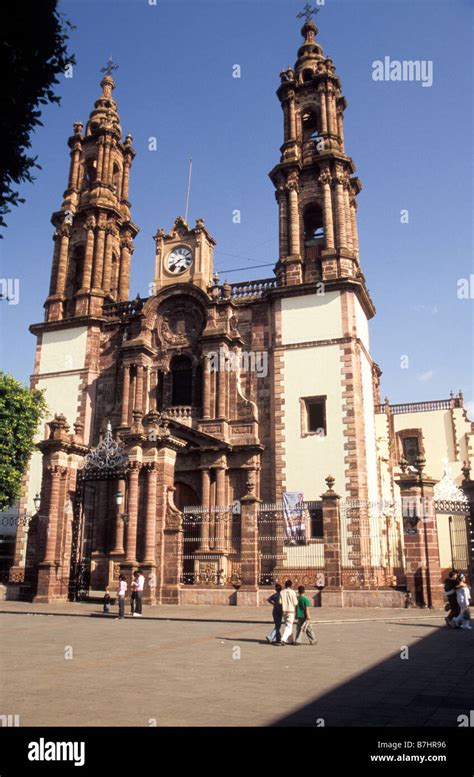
(451, 598)
(275, 600)
(463, 594)
(133, 595)
(289, 600)
(303, 619)
(140, 584)
(106, 600)
(122, 590)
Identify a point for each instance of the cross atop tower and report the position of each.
(109, 68)
(307, 12)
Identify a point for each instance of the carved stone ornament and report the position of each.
(179, 323)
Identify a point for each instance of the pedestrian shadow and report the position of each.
(422, 684)
(244, 639)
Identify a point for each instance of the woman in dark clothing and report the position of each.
(450, 591)
(275, 600)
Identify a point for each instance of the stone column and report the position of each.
(332, 545)
(131, 549)
(355, 235)
(205, 502)
(249, 558)
(294, 218)
(325, 182)
(100, 159)
(221, 503)
(55, 265)
(340, 211)
(206, 387)
(283, 220)
(324, 118)
(119, 521)
(331, 105)
(139, 389)
(125, 395)
(150, 528)
(89, 253)
(65, 233)
(53, 513)
(340, 127)
(126, 247)
(146, 396)
(347, 214)
(222, 386)
(99, 257)
(74, 168)
(109, 242)
(106, 162)
(292, 116)
(125, 178)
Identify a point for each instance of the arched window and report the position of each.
(310, 126)
(90, 172)
(116, 178)
(313, 223)
(182, 381)
(308, 74)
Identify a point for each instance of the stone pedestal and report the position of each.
(249, 566)
(423, 569)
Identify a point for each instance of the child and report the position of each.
(463, 595)
(122, 590)
(107, 600)
(303, 621)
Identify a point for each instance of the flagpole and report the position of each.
(189, 189)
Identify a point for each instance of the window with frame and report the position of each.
(313, 416)
(411, 449)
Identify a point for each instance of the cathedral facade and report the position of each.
(224, 436)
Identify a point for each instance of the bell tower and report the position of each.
(93, 240)
(315, 190)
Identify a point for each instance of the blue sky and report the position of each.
(411, 146)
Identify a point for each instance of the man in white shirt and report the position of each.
(140, 583)
(289, 601)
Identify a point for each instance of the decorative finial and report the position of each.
(307, 12)
(109, 68)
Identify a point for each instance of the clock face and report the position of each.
(179, 260)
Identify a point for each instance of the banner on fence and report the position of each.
(294, 513)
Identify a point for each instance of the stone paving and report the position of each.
(209, 666)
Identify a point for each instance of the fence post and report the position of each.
(249, 564)
(332, 546)
(423, 570)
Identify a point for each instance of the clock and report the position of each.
(179, 260)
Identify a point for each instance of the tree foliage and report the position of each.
(33, 51)
(21, 411)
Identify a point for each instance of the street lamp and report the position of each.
(37, 502)
(119, 497)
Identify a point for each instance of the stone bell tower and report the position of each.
(315, 192)
(93, 241)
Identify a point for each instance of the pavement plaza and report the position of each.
(68, 665)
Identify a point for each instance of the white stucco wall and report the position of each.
(309, 460)
(311, 317)
(362, 325)
(63, 350)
